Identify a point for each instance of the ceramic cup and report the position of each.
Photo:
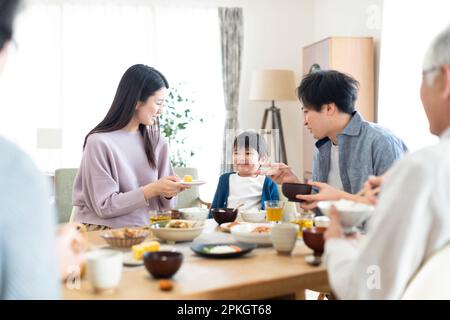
(104, 270)
(284, 236)
(322, 221)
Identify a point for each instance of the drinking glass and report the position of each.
(274, 210)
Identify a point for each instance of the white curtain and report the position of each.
(72, 54)
(408, 29)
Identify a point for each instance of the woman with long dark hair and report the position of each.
(125, 170)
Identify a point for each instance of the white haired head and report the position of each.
(437, 55)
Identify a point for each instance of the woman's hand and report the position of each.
(167, 187)
(280, 173)
(326, 193)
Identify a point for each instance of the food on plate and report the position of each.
(222, 249)
(178, 224)
(261, 229)
(183, 224)
(139, 249)
(165, 285)
(125, 233)
(188, 178)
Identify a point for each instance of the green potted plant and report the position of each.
(176, 120)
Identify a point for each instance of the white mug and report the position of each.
(104, 269)
(284, 237)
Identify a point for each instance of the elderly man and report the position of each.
(412, 218)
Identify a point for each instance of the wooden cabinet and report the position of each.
(351, 55)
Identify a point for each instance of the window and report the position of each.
(72, 54)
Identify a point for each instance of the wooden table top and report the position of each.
(260, 274)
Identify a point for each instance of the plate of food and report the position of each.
(177, 230)
(188, 180)
(226, 227)
(257, 233)
(221, 250)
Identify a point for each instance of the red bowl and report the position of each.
(224, 215)
(290, 190)
(314, 239)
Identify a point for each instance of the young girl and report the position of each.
(244, 185)
(125, 169)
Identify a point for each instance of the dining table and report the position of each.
(260, 274)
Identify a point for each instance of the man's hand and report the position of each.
(326, 193)
(280, 173)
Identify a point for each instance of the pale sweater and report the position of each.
(28, 263)
(114, 167)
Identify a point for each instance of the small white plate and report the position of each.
(128, 260)
(226, 226)
(193, 183)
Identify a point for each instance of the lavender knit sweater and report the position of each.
(113, 168)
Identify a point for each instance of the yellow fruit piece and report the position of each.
(188, 178)
(139, 249)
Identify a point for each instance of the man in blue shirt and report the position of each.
(349, 149)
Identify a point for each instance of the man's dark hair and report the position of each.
(328, 86)
(8, 9)
(251, 140)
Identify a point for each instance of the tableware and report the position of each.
(303, 220)
(226, 227)
(163, 264)
(283, 237)
(253, 215)
(118, 238)
(160, 215)
(224, 215)
(171, 234)
(351, 214)
(104, 269)
(222, 251)
(314, 239)
(130, 261)
(192, 183)
(258, 233)
(290, 190)
(322, 221)
(274, 210)
(194, 213)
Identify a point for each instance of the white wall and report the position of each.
(275, 33)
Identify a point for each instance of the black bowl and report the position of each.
(224, 215)
(290, 190)
(163, 264)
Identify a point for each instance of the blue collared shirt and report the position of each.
(365, 149)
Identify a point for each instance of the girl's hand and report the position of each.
(71, 246)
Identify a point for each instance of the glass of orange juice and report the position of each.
(303, 220)
(274, 210)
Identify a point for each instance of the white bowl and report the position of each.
(243, 233)
(253, 215)
(322, 221)
(352, 214)
(194, 213)
(176, 234)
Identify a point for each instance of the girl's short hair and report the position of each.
(251, 140)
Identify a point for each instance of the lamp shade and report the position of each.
(276, 85)
(49, 138)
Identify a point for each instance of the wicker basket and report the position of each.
(125, 242)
